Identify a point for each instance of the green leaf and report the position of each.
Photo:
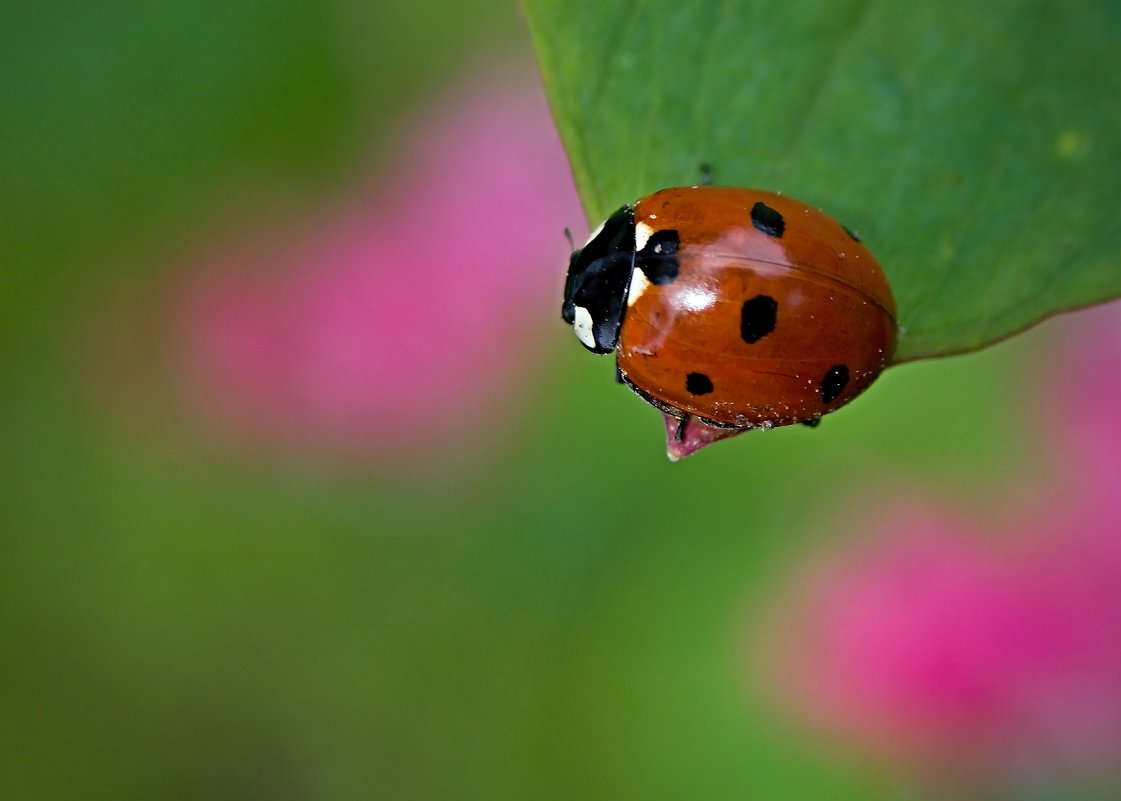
(975, 146)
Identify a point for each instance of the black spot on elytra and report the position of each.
(698, 384)
(657, 259)
(834, 383)
(767, 220)
(757, 318)
(662, 242)
(853, 234)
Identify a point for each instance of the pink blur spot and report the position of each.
(932, 635)
(406, 316)
(1081, 395)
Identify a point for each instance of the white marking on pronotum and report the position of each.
(642, 234)
(639, 283)
(595, 233)
(582, 325)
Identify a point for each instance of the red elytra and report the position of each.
(731, 309)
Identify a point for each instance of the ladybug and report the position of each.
(731, 309)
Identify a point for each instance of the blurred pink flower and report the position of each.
(935, 637)
(1083, 395)
(404, 314)
(921, 639)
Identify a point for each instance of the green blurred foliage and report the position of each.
(555, 617)
(974, 147)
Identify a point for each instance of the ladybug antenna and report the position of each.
(568, 236)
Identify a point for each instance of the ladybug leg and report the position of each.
(705, 169)
(618, 374)
(680, 434)
(813, 423)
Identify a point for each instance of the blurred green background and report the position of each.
(550, 610)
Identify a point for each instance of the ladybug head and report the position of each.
(599, 274)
